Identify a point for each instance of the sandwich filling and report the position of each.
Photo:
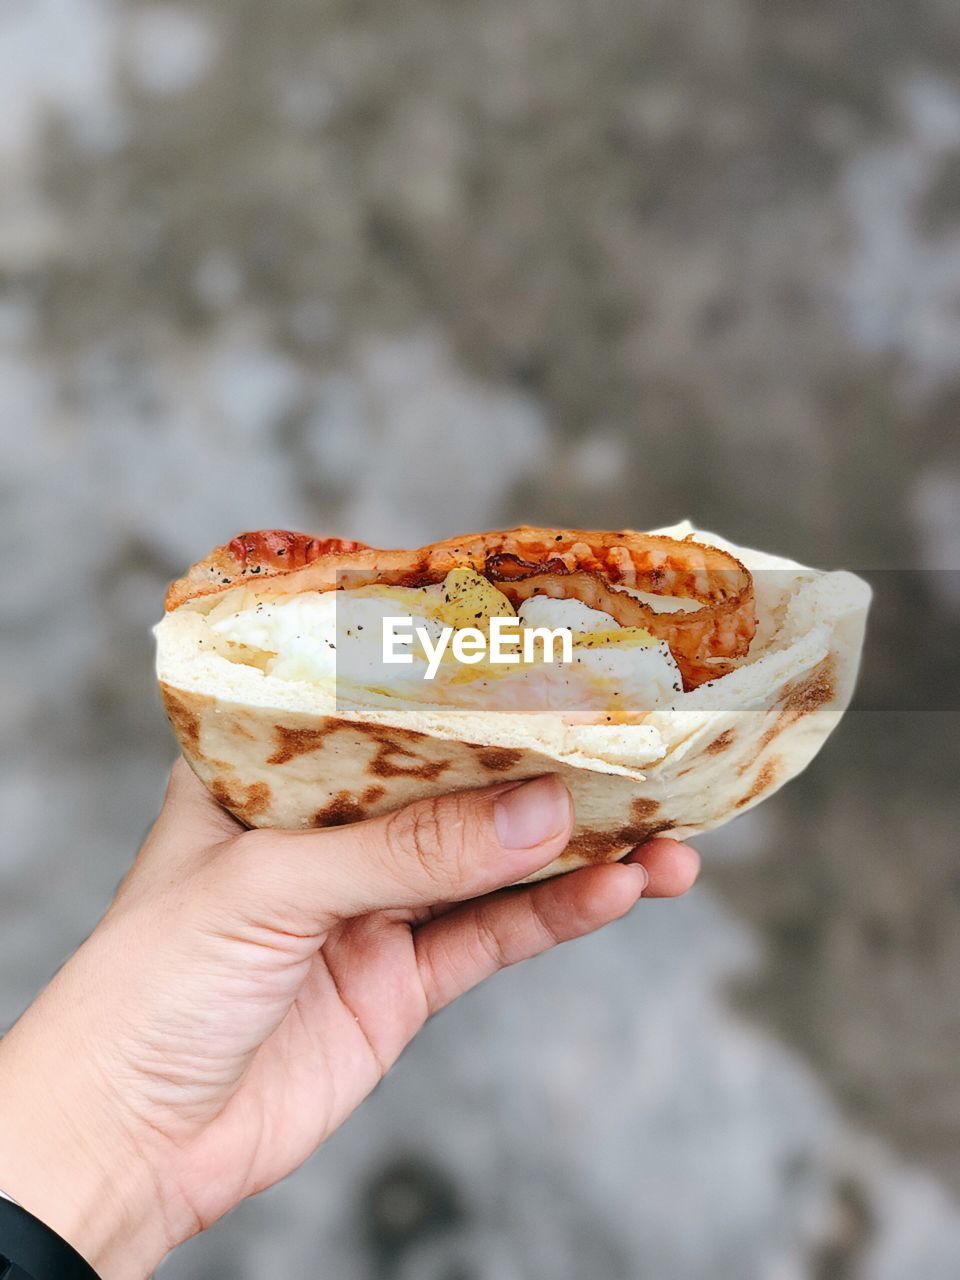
(640, 618)
(615, 673)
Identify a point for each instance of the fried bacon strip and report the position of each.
(563, 563)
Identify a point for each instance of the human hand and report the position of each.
(247, 989)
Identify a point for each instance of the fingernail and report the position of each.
(530, 814)
(641, 872)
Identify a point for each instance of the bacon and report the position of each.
(593, 567)
(284, 550)
(265, 553)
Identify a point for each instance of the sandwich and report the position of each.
(313, 682)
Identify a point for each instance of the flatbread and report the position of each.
(287, 754)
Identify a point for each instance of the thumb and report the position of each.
(447, 848)
(189, 823)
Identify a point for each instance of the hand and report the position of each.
(247, 989)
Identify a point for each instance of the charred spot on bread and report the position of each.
(291, 743)
(246, 802)
(766, 777)
(604, 846)
(498, 759)
(384, 765)
(801, 698)
(817, 690)
(595, 846)
(721, 743)
(240, 727)
(343, 808)
(184, 721)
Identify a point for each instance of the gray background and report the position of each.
(402, 268)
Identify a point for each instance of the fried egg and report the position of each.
(614, 674)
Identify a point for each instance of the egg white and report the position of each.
(337, 636)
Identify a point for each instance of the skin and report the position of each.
(246, 990)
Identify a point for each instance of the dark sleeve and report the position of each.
(29, 1250)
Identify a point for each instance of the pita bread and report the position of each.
(285, 753)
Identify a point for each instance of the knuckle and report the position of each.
(490, 942)
(253, 877)
(249, 861)
(549, 931)
(433, 832)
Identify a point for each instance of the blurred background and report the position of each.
(396, 269)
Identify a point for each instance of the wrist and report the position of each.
(65, 1159)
